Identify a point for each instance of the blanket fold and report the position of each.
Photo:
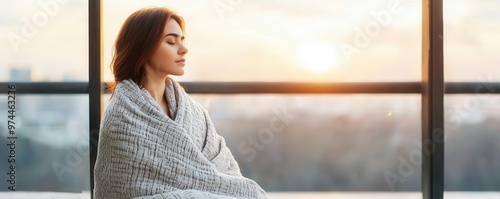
(143, 153)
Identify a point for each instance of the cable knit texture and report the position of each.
(143, 153)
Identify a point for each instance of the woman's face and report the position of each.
(169, 56)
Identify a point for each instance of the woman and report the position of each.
(155, 141)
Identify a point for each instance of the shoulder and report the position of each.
(118, 102)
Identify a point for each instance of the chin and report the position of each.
(178, 73)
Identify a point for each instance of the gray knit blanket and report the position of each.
(143, 153)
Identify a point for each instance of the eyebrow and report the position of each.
(175, 35)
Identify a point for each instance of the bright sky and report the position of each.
(272, 40)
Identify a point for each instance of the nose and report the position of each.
(183, 50)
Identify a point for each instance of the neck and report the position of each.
(156, 86)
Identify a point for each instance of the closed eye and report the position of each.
(176, 36)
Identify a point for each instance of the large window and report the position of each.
(280, 40)
(472, 127)
(44, 41)
(341, 143)
(471, 120)
(51, 143)
(471, 42)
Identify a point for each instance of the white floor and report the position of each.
(281, 195)
(381, 195)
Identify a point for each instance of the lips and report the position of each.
(181, 60)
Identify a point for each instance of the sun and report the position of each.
(318, 57)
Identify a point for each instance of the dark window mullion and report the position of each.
(46, 87)
(432, 99)
(95, 96)
(269, 87)
(301, 88)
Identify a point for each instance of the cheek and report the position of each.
(164, 54)
(168, 51)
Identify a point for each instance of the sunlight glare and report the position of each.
(318, 57)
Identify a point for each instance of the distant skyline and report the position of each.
(23, 74)
(273, 40)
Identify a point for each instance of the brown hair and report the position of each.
(139, 37)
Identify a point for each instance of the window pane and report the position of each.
(280, 40)
(471, 149)
(323, 143)
(51, 144)
(44, 40)
(471, 40)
